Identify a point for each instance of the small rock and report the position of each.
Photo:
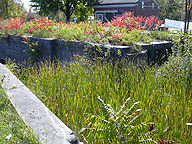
(189, 124)
(8, 137)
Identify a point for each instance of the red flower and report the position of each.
(102, 33)
(117, 36)
(90, 32)
(25, 38)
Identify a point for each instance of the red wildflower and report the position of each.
(25, 38)
(90, 32)
(102, 33)
(117, 36)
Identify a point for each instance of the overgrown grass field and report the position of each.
(71, 92)
(107, 101)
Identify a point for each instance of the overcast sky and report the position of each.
(26, 4)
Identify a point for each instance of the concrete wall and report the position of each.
(13, 47)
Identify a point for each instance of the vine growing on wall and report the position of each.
(5, 36)
(34, 50)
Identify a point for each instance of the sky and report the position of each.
(26, 4)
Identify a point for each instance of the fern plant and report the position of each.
(123, 126)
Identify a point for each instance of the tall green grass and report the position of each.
(70, 91)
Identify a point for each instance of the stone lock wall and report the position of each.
(13, 47)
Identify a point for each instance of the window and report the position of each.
(109, 16)
(142, 5)
(100, 17)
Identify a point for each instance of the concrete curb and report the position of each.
(46, 126)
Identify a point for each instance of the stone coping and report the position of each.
(45, 125)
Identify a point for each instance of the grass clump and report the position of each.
(12, 128)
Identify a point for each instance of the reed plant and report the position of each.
(71, 90)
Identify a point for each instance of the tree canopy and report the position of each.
(45, 7)
(11, 8)
(170, 9)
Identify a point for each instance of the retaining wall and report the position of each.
(13, 47)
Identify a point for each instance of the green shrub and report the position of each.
(122, 126)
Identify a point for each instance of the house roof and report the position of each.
(116, 1)
(111, 2)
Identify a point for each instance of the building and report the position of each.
(106, 9)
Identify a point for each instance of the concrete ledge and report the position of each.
(46, 126)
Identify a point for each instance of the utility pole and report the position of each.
(186, 14)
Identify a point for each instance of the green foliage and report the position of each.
(11, 8)
(170, 9)
(122, 126)
(182, 44)
(95, 32)
(83, 9)
(136, 36)
(66, 6)
(180, 62)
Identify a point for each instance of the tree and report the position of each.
(170, 9)
(68, 7)
(11, 8)
(188, 8)
(83, 9)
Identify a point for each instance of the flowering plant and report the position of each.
(12, 26)
(124, 30)
(41, 27)
(130, 22)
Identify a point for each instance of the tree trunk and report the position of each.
(6, 9)
(68, 12)
(67, 17)
(188, 20)
(188, 15)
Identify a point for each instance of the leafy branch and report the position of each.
(123, 126)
